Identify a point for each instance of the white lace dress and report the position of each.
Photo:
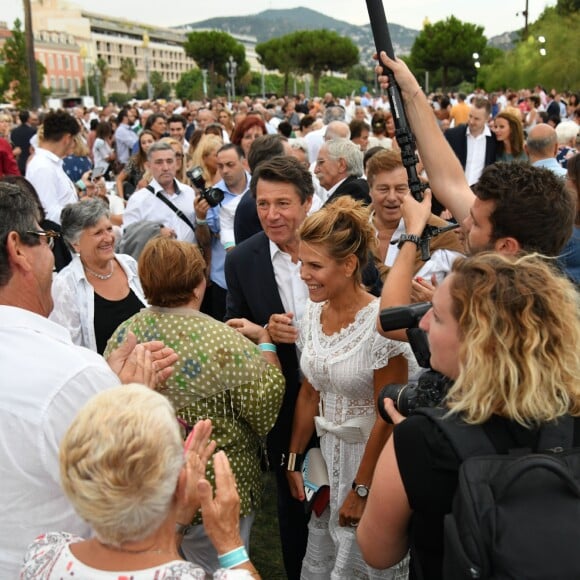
(341, 367)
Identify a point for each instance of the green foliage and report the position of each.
(362, 73)
(526, 67)
(275, 54)
(128, 72)
(211, 50)
(16, 67)
(316, 51)
(190, 85)
(104, 71)
(161, 89)
(565, 7)
(448, 44)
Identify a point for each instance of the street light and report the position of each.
(228, 90)
(542, 41)
(231, 69)
(204, 75)
(477, 65)
(147, 76)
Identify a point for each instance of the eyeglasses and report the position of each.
(50, 236)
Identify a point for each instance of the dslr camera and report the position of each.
(432, 386)
(213, 195)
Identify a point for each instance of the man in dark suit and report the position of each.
(264, 286)
(473, 143)
(339, 166)
(21, 136)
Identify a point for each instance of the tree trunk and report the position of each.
(316, 74)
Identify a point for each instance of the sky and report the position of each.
(496, 16)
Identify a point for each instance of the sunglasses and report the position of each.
(50, 236)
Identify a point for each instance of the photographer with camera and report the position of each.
(504, 329)
(215, 208)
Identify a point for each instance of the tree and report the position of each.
(316, 51)
(104, 74)
(448, 44)
(277, 54)
(16, 69)
(128, 72)
(211, 50)
(161, 89)
(190, 85)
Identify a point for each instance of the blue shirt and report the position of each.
(218, 253)
(552, 165)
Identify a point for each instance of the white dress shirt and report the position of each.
(144, 205)
(74, 299)
(52, 184)
(125, 139)
(46, 379)
(292, 289)
(475, 161)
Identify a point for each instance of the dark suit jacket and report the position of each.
(246, 221)
(457, 138)
(355, 187)
(253, 294)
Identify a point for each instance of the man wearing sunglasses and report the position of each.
(46, 379)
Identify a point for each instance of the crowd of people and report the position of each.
(235, 258)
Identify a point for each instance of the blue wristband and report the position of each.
(234, 558)
(267, 347)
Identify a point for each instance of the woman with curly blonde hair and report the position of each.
(345, 362)
(505, 329)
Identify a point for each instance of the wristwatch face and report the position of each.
(361, 490)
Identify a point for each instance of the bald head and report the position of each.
(337, 130)
(542, 142)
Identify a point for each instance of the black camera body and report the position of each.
(213, 195)
(432, 386)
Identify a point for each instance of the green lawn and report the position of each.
(265, 540)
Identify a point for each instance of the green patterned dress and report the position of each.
(220, 375)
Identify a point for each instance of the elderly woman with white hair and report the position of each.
(567, 133)
(99, 289)
(126, 472)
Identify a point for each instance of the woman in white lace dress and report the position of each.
(345, 363)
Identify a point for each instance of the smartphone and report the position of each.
(97, 172)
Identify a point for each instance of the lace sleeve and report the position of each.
(384, 349)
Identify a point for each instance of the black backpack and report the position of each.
(515, 515)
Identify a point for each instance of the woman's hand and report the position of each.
(296, 484)
(254, 332)
(395, 416)
(281, 329)
(221, 513)
(197, 450)
(351, 510)
(422, 290)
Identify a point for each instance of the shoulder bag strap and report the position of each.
(171, 206)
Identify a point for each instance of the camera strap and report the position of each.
(171, 206)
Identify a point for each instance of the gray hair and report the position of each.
(158, 146)
(300, 144)
(334, 113)
(347, 150)
(19, 212)
(76, 217)
(566, 132)
(542, 145)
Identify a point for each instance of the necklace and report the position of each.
(97, 275)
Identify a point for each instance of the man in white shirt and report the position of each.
(144, 204)
(473, 143)
(45, 171)
(125, 137)
(264, 286)
(46, 379)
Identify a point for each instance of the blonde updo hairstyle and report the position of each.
(170, 271)
(519, 325)
(344, 229)
(120, 461)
